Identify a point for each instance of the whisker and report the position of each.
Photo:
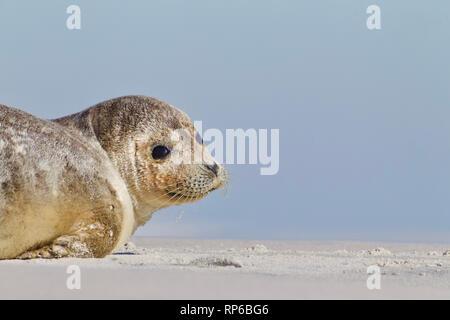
(170, 199)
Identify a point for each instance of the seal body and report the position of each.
(79, 186)
(54, 187)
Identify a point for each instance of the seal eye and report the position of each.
(160, 152)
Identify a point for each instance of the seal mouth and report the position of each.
(177, 196)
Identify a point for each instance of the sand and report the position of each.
(153, 268)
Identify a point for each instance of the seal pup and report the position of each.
(80, 185)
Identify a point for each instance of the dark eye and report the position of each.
(160, 152)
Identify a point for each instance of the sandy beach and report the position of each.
(155, 268)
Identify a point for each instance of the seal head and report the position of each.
(156, 149)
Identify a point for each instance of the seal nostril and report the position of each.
(213, 168)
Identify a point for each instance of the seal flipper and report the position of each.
(48, 252)
(94, 240)
(75, 246)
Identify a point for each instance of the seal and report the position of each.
(80, 185)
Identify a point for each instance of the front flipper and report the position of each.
(91, 241)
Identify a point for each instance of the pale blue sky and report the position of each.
(364, 116)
